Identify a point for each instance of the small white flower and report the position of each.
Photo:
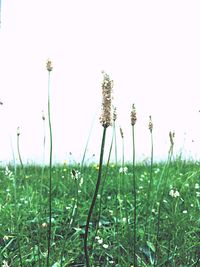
(174, 193)
(123, 170)
(192, 205)
(184, 211)
(100, 241)
(123, 219)
(157, 170)
(196, 186)
(108, 197)
(105, 246)
(198, 194)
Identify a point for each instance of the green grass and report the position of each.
(24, 215)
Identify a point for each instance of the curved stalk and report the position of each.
(94, 198)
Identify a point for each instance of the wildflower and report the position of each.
(150, 124)
(174, 193)
(198, 194)
(75, 174)
(5, 264)
(196, 186)
(107, 85)
(123, 170)
(105, 246)
(133, 115)
(49, 65)
(100, 241)
(44, 225)
(184, 211)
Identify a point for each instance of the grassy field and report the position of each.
(167, 225)
(125, 215)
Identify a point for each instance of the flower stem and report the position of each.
(94, 198)
(135, 201)
(50, 176)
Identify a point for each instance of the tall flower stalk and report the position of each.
(170, 154)
(105, 120)
(133, 121)
(49, 69)
(149, 190)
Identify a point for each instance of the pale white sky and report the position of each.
(151, 49)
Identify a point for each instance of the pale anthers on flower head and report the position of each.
(49, 65)
(106, 115)
(133, 115)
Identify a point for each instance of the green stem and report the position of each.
(149, 192)
(50, 176)
(94, 198)
(19, 154)
(135, 201)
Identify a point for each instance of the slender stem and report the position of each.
(94, 198)
(149, 192)
(50, 176)
(19, 154)
(161, 203)
(135, 200)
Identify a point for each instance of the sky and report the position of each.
(150, 49)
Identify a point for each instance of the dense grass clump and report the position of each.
(24, 215)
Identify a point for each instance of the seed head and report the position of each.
(49, 65)
(114, 114)
(150, 124)
(133, 115)
(107, 86)
(43, 116)
(18, 131)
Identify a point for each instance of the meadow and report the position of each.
(124, 214)
(24, 215)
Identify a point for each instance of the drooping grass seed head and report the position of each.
(106, 115)
(49, 65)
(133, 115)
(150, 124)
